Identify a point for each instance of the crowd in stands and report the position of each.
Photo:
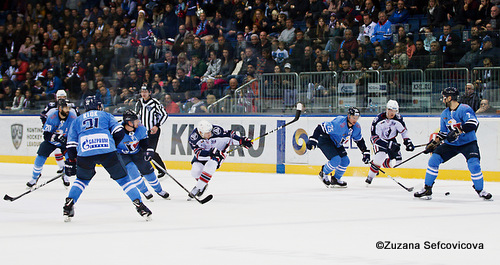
(190, 53)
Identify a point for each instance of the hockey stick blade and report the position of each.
(399, 183)
(8, 198)
(205, 200)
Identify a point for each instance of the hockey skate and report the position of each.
(338, 183)
(483, 194)
(324, 178)
(368, 180)
(60, 170)
(164, 195)
(148, 196)
(161, 174)
(32, 182)
(194, 192)
(424, 194)
(142, 209)
(65, 180)
(68, 209)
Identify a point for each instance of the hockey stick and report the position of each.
(205, 200)
(300, 107)
(421, 152)
(8, 198)
(403, 186)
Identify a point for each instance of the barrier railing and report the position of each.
(487, 82)
(278, 92)
(441, 78)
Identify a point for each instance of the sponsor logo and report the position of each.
(299, 141)
(16, 132)
(94, 142)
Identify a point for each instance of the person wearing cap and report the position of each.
(384, 130)
(152, 115)
(489, 51)
(330, 137)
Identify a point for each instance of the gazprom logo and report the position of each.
(299, 141)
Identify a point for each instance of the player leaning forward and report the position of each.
(91, 141)
(385, 127)
(458, 136)
(209, 143)
(330, 137)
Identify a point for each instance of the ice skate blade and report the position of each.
(147, 218)
(425, 198)
(338, 187)
(67, 219)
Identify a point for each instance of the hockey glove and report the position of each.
(409, 145)
(58, 138)
(247, 143)
(366, 157)
(70, 167)
(217, 155)
(393, 147)
(312, 143)
(452, 136)
(429, 148)
(148, 155)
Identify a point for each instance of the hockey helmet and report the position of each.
(353, 111)
(393, 105)
(92, 103)
(204, 127)
(451, 91)
(130, 115)
(61, 93)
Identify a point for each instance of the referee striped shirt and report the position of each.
(151, 112)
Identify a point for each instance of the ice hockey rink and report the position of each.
(252, 219)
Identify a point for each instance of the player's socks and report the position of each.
(129, 188)
(139, 183)
(153, 181)
(78, 187)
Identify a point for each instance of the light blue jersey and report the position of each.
(130, 143)
(456, 119)
(92, 133)
(55, 125)
(339, 132)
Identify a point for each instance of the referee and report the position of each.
(152, 115)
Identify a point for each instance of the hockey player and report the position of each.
(91, 141)
(330, 137)
(55, 131)
(60, 94)
(209, 143)
(385, 127)
(457, 135)
(136, 154)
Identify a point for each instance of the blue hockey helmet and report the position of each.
(92, 103)
(451, 91)
(130, 115)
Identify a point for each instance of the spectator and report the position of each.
(400, 15)
(435, 56)
(176, 91)
(382, 32)
(435, 14)
(389, 8)
(420, 57)
(489, 51)
(400, 59)
(170, 105)
(288, 34)
(470, 59)
(470, 97)
(368, 27)
(429, 38)
(54, 84)
(349, 44)
(198, 68)
(371, 10)
(485, 108)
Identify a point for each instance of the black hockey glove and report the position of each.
(148, 155)
(246, 142)
(58, 138)
(393, 147)
(70, 167)
(429, 148)
(216, 154)
(409, 145)
(312, 143)
(366, 157)
(452, 136)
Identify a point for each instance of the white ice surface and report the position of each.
(253, 219)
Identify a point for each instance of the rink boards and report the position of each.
(281, 152)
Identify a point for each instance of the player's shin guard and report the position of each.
(342, 167)
(372, 173)
(475, 173)
(38, 166)
(139, 183)
(59, 160)
(153, 181)
(331, 165)
(129, 188)
(78, 187)
(432, 169)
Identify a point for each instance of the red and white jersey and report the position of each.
(221, 139)
(384, 129)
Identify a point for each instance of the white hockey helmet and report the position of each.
(204, 127)
(61, 93)
(393, 105)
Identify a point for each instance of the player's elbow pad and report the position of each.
(118, 136)
(469, 127)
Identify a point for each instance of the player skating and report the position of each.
(55, 129)
(330, 137)
(457, 135)
(136, 155)
(385, 127)
(209, 142)
(60, 94)
(91, 141)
